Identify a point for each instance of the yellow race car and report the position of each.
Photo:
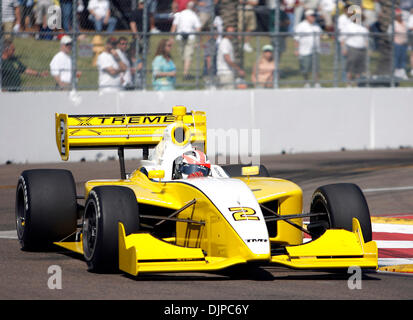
(178, 212)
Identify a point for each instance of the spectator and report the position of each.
(136, 24)
(406, 6)
(369, 12)
(289, 9)
(11, 16)
(179, 5)
(152, 7)
(247, 21)
(163, 67)
(100, 15)
(205, 9)
(41, 12)
(263, 71)
(12, 68)
(66, 7)
(122, 51)
(307, 47)
(400, 45)
(136, 16)
(342, 21)
(226, 67)
(410, 26)
(210, 59)
(185, 23)
(326, 8)
(298, 13)
(136, 66)
(61, 65)
(377, 29)
(110, 67)
(311, 4)
(26, 7)
(354, 43)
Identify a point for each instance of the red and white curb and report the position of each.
(394, 238)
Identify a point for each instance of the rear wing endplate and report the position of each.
(114, 131)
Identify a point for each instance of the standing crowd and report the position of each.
(307, 21)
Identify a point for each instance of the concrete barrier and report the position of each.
(290, 120)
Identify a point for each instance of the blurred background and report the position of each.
(205, 44)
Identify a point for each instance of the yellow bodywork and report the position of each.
(214, 244)
(204, 239)
(131, 130)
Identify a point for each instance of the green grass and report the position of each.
(37, 54)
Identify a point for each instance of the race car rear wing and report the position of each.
(119, 131)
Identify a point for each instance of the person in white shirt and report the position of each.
(186, 22)
(226, 67)
(354, 42)
(122, 52)
(110, 67)
(61, 64)
(307, 46)
(343, 19)
(100, 15)
(11, 16)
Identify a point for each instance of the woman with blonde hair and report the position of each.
(263, 70)
(163, 67)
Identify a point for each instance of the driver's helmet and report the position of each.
(191, 164)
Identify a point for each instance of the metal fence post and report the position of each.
(74, 44)
(337, 45)
(145, 44)
(392, 82)
(198, 60)
(313, 58)
(1, 46)
(276, 42)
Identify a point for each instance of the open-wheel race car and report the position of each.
(178, 212)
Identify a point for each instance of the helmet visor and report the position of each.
(189, 169)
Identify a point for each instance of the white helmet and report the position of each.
(191, 164)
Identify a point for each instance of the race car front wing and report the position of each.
(336, 248)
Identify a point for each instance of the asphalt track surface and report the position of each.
(24, 275)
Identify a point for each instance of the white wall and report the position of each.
(294, 120)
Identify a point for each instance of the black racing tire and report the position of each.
(46, 207)
(342, 202)
(104, 208)
(235, 170)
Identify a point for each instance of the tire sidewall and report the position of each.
(343, 202)
(112, 204)
(48, 200)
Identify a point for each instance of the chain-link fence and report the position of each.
(279, 48)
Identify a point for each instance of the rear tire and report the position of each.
(342, 202)
(46, 207)
(104, 208)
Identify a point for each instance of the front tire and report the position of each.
(46, 207)
(342, 202)
(104, 208)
